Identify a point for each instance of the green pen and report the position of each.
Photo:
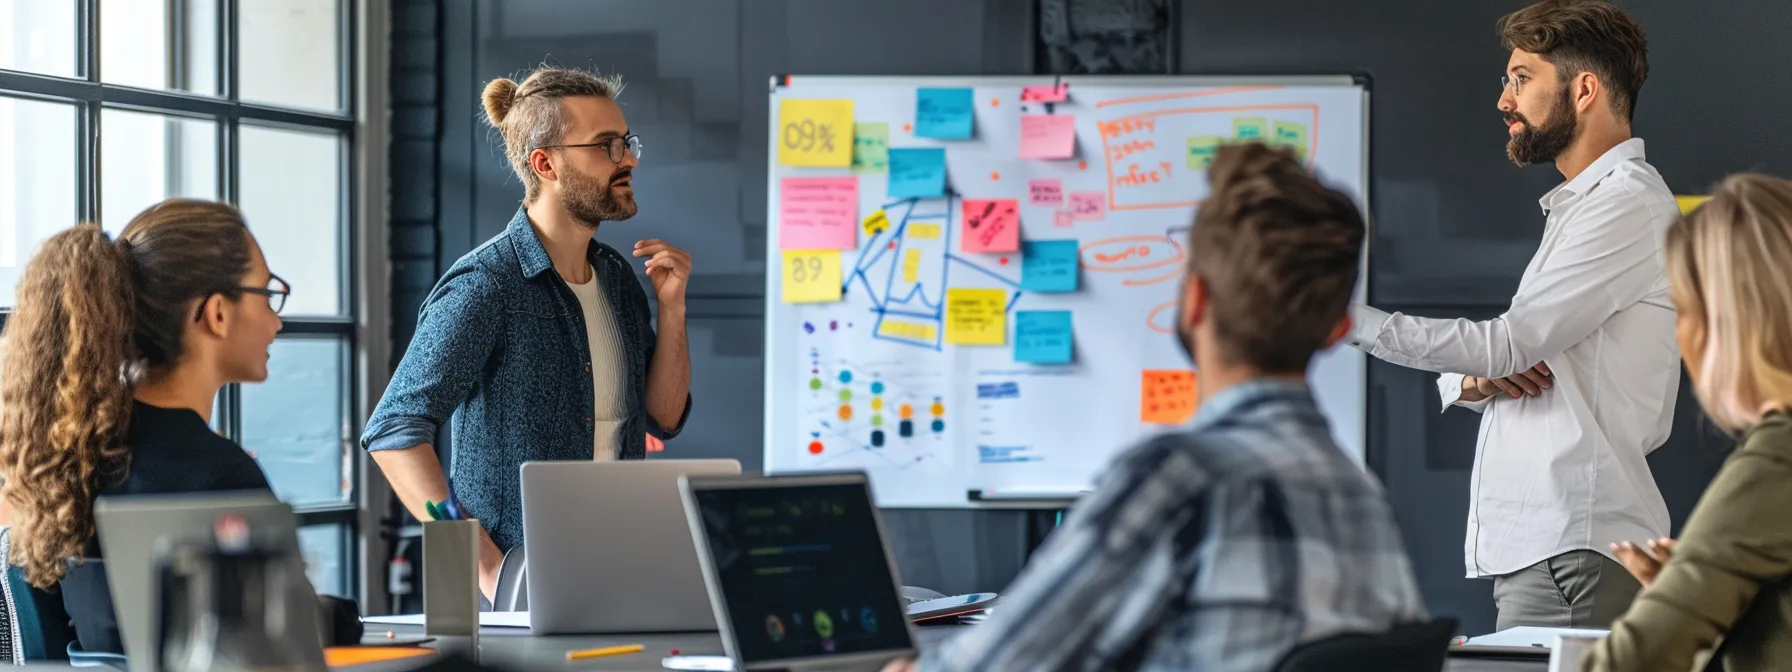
(430, 507)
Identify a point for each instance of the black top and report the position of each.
(172, 451)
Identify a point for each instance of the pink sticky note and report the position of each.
(818, 213)
(1089, 205)
(1045, 94)
(1063, 219)
(992, 225)
(1047, 136)
(1049, 193)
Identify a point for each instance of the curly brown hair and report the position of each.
(90, 317)
(1580, 36)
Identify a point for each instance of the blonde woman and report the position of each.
(1728, 580)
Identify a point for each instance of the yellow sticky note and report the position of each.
(1249, 129)
(815, 132)
(1689, 203)
(911, 264)
(928, 231)
(811, 276)
(913, 331)
(976, 316)
(875, 223)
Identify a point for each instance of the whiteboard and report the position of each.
(870, 383)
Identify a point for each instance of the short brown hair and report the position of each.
(1279, 253)
(1580, 36)
(531, 115)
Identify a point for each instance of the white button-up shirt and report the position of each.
(1565, 470)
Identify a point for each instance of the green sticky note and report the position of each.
(1201, 149)
(1291, 135)
(1249, 129)
(871, 147)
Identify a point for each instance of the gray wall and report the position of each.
(1454, 222)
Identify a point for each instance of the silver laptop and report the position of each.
(132, 526)
(608, 549)
(799, 571)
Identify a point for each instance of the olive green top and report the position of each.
(1730, 576)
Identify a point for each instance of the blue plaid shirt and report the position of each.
(1216, 548)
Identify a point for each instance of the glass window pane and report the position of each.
(38, 36)
(293, 423)
(160, 44)
(291, 193)
(326, 551)
(290, 53)
(145, 158)
(37, 181)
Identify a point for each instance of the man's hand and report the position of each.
(668, 267)
(1645, 564)
(1532, 381)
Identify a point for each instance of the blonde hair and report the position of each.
(531, 115)
(1729, 266)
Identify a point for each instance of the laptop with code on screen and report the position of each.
(799, 571)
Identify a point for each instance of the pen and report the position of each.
(429, 507)
(606, 651)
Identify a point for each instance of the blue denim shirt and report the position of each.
(501, 345)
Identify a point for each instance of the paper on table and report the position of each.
(488, 619)
(1532, 636)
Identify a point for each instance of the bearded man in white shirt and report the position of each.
(1577, 380)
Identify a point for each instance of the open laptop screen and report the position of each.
(803, 570)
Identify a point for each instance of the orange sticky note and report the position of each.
(992, 225)
(1167, 396)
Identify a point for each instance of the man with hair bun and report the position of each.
(541, 342)
(1225, 545)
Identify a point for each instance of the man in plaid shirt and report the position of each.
(1224, 546)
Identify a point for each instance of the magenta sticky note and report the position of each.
(1049, 193)
(992, 225)
(818, 213)
(1045, 94)
(1089, 205)
(1047, 136)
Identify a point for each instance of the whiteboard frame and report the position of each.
(773, 257)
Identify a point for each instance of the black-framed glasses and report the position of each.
(276, 291)
(631, 144)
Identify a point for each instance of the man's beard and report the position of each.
(592, 202)
(1542, 144)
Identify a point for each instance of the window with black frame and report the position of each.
(108, 107)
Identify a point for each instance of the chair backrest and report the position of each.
(35, 622)
(1409, 647)
(512, 593)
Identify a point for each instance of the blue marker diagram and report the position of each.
(904, 267)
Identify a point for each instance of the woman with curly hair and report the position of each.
(114, 353)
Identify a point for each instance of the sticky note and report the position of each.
(917, 173)
(1089, 205)
(926, 231)
(1049, 193)
(911, 264)
(1047, 136)
(976, 316)
(875, 223)
(1689, 203)
(811, 276)
(814, 132)
(914, 331)
(1167, 396)
(1045, 94)
(991, 225)
(1201, 149)
(871, 147)
(943, 113)
(1063, 219)
(1048, 265)
(1291, 135)
(1250, 129)
(1042, 336)
(818, 213)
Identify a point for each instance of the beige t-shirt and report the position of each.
(605, 364)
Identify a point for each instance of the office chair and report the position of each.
(1409, 647)
(512, 593)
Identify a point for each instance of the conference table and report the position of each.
(516, 649)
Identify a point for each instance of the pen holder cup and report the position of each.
(451, 578)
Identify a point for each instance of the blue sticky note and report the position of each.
(1048, 265)
(1042, 336)
(917, 173)
(943, 113)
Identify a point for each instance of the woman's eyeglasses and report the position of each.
(276, 291)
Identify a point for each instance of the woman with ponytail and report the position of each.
(114, 354)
